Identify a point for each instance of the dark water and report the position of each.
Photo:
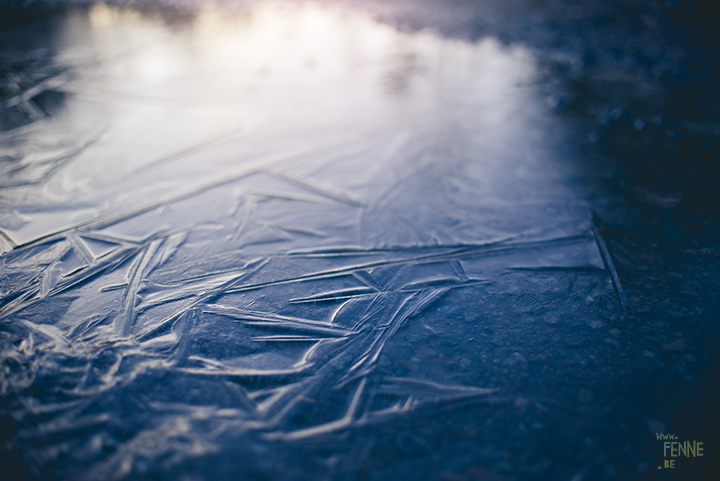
(332, 241)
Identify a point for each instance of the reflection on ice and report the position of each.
(272, 225)
(178, 102)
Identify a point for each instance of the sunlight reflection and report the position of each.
(317, 62)
(180, 97)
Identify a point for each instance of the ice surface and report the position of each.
(235, 234)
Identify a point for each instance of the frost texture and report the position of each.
(240, 252)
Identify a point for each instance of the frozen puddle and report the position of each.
(235, 231)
